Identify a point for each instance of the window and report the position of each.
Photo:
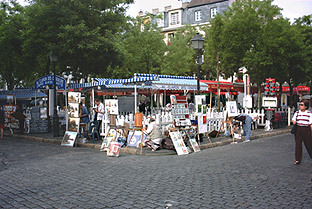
(198, 16)
(175, 18)
(213, 12)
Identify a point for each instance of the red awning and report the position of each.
(212, 85)
(286, 89)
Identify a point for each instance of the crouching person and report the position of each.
(154, 136)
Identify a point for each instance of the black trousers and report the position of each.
(303, 134)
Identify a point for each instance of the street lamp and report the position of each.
(53, 59)
(198, 43)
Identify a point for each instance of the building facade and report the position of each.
(194, 13)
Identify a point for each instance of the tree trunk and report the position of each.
(280, 92)
(259, 96)
(290, 94)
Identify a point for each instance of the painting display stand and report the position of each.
(228, 124)
(109, 137)
(140, 128)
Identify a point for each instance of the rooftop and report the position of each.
(195, 3)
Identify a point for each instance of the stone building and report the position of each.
(194, 13)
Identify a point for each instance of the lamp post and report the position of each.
(198, 43)
(53, 59)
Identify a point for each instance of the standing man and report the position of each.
(84, 118)
(247, 120)
(2, 121)
(99, 113)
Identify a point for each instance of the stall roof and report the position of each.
(161, 82)
(22, 93)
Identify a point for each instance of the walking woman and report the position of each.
(303, 119)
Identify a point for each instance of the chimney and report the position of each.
(185, 4)
(140, 13)
(167, 8)
(155, 11)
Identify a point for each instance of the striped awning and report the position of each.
(178, 84)
(131, 80)
(85, 85)
(22, 93)
(161, 82)
(164, 76)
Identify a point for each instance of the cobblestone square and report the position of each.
(259, 174)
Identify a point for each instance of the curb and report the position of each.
(145, 152)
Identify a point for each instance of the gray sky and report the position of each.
(291, 8)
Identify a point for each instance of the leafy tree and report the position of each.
(251, 34)
(304, 26)
(12, 67)
(82, 32)
(180, 56)
(143, 49)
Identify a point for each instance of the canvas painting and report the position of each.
(73, 110)
(178, 143)
(74, 97)
(111, 106)
(173, 99)
(114, 149)
(136, 139)
(73, 124)
(231, 108)
(195, 145)
(69, 138)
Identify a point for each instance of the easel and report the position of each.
(138, 126)
(113, 126)
(228, 123)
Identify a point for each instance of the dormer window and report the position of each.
(198, 16)
(175, 18)
(213, 12)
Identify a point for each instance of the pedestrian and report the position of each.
(2, 121)
(247, 120)
(142, 107)
(99, 113)
(303, 119)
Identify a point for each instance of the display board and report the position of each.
(111, 106)
(178, 143)
(73, 122)
(194, 144)
(202, 123)
(200, 100)
(180, 110)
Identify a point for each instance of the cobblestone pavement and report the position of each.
(258, 174)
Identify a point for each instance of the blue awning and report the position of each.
(22, 94)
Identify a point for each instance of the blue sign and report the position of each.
(49, 80)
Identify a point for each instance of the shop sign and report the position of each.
(49, 80)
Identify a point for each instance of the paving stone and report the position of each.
(258, 174)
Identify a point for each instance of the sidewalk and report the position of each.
(215, 142)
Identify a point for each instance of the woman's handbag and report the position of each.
(294, 129)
